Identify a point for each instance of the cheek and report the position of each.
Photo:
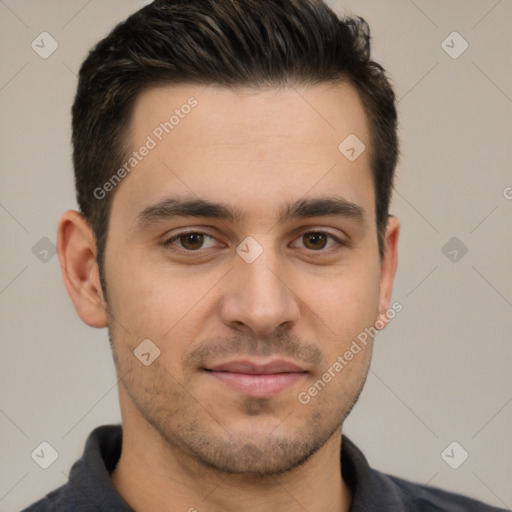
(145, 296)
(349, 309)
(350, 301)
(160, 303)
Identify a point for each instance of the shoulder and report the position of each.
(432, 499)
(374, 490)
(53, 501)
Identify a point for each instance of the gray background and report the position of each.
(441, 370)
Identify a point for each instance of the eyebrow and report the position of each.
(196, 207)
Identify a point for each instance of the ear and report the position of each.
(76, 248)
(388, 266)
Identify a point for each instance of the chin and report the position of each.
(254, 447)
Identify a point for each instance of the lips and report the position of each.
(248, 367)
(255, 379)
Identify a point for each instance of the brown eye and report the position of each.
(315, 240)
(191, 241)
(319, 241)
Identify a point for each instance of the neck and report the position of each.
(153, 478)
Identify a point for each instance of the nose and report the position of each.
(259, 297)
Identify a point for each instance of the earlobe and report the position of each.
(76, 248)
(388, 266)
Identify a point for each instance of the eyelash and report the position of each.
(168, 243)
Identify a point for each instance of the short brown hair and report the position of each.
(231, 43)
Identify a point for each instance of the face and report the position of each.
(243, 244)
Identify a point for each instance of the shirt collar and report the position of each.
(90, 484)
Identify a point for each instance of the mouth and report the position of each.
(257, 380)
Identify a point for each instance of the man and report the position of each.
(234, 162)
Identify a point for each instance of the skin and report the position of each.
(189, 440)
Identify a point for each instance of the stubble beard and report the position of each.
(191, 430)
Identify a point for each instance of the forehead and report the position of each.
(252, 147)
(248, 117)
